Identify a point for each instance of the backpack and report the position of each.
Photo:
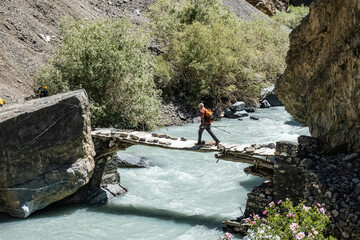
(209, 116)
(44, 93)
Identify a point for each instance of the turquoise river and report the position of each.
(183, 195)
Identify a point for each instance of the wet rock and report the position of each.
(265, 104)
(125, 160)
(238, 106)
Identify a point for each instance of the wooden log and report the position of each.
(246, 159)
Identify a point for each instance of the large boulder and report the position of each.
(46, 151)
(320, 86)
(269, 95)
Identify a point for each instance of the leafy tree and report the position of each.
(292, 18)
(110, 59)
(212, 55)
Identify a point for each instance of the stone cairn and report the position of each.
(303, 172)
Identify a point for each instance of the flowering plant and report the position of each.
(284, 221)
(228, 236)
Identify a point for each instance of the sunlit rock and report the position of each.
(320, 86)
(46, 151)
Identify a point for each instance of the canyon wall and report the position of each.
(320, 86)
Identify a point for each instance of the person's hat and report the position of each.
(45, 87)
(201, 105)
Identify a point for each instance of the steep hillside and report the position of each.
(29, 34)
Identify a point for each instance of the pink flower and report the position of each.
(288, 214)
(247, 220)
(271, 204)
(293, 227)
(279, 202)
(276, 214)
(253, 222)
(257, 216)
(294, 215)
(322, 210)
(228, 235)
(318, 204)
(314, 231)
(264, 212)
(306, 208)
(300, 235)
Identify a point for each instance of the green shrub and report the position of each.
(285, 221)
(293, 17)
(214, 56)
(110, 60)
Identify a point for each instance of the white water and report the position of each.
(184, 195)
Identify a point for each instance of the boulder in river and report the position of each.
(46, 151)
(125, 160)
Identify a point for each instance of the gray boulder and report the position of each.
(103, 186)
(241, 114)
(238, 106)
(46, 151)
(265, 104)
(269, 95)
(125, 160)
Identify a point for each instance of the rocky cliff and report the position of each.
(320, 86)
(270, 7)
(46, 151)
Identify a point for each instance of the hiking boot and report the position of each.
(200, 144)
(217, 142)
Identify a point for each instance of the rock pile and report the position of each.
(302, 172)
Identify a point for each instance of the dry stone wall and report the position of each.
(304, 173)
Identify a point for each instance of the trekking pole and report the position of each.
(221, 129)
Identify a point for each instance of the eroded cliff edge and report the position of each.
(46, 151)
(320, 86)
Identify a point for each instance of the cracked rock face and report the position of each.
(46, 151)
(320, 86)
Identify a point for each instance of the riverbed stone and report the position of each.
(46, 151)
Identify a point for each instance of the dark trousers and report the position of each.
(207, 127)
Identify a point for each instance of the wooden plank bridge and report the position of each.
(254, 154)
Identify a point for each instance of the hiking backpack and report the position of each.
(209, 116)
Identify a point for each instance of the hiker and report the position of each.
(205, 124)
(2, 102)
(44, 92)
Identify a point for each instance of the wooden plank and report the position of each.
(246, 159)
(232, 150)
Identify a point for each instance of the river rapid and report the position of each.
(183, 195)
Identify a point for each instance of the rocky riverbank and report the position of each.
(304, 172)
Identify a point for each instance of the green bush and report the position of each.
(293, 17)
(110, 60)
(285, 221)
(214, 56)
